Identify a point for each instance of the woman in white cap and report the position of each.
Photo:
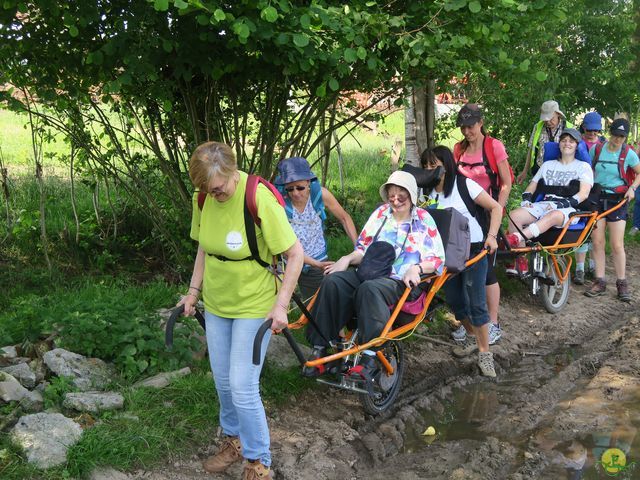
(536, 217)
(305, 204)
(408, 238)
(610, 162)
(548, 129)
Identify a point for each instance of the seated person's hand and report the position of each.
(527, 198)
(338, 266)
(324, 264)
(411, 277)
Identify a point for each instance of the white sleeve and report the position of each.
(586, 175)
(474, 188)
(536, 178)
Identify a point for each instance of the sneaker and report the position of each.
(460, 334)
(256, 471)
(317, 352)
(230, 452)
(598, 287)
(485, 362)
(495, 332)
(578, 278)
(468, 347)
(633, 231)
(513, 239)
(522, 264)
(623, 290)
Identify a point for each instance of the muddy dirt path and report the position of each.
(568, 390)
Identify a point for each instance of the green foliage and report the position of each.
(55, 391)
(108, 320)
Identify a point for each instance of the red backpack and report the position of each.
(489, 162)
(627, 176)
(251, 218)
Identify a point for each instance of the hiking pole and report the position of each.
(257, 342)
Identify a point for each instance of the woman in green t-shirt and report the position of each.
(239, 294)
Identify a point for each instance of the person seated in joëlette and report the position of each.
(399, 243)
(553, 210)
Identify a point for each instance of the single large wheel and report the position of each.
(554, 297)
(386, 387)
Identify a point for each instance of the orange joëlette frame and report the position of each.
(387, 332)
(592, 217)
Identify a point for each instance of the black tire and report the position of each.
(554, 297)
(383, 398)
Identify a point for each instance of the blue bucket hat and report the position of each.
(292, 170)
(592, 121)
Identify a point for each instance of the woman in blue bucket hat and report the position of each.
(305, 204)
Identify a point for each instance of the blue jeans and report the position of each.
(636, 212)
(466, 295)
(230, 344)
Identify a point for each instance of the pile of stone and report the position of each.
(45, 436)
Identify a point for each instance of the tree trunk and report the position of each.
(431, 112)
(412, 156)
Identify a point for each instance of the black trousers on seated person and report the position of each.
(342, 295)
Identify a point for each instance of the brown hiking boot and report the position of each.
(256, 471)
(229, 453)
(598, 287)
(623, 290)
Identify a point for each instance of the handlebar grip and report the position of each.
(257, 341)
(171, 323)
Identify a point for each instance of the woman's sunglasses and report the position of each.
(297, 187)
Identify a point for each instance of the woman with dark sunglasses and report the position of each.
(305, 204)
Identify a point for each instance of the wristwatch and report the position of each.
(420, 268)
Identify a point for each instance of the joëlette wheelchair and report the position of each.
(378, 395)
(549, 256)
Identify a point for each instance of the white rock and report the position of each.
(281, 355)
(8, 352)
(162, 379)
(93, 401)
(45, 438)
(107, 473)
(23, 373)
(33, 401)
(10, 389)
(87, 373)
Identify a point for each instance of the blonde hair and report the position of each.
(211, 159)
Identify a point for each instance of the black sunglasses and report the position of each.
(297, 187)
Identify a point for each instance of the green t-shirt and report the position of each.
(241, 289)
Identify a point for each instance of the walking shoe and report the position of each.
(598, 287)
(230, 452)
(623, 290)
(495, 333)
(485, 362)
(633, 231)
(256, 471)
(460, 334)
(513, 239)
(578, 278)
(468, 347)
(510, 269)
(317, 352)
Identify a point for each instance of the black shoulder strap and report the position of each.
(493, 176)
(475, 210)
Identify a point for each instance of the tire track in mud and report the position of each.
(324, 434)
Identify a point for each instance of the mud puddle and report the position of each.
(608, 448)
